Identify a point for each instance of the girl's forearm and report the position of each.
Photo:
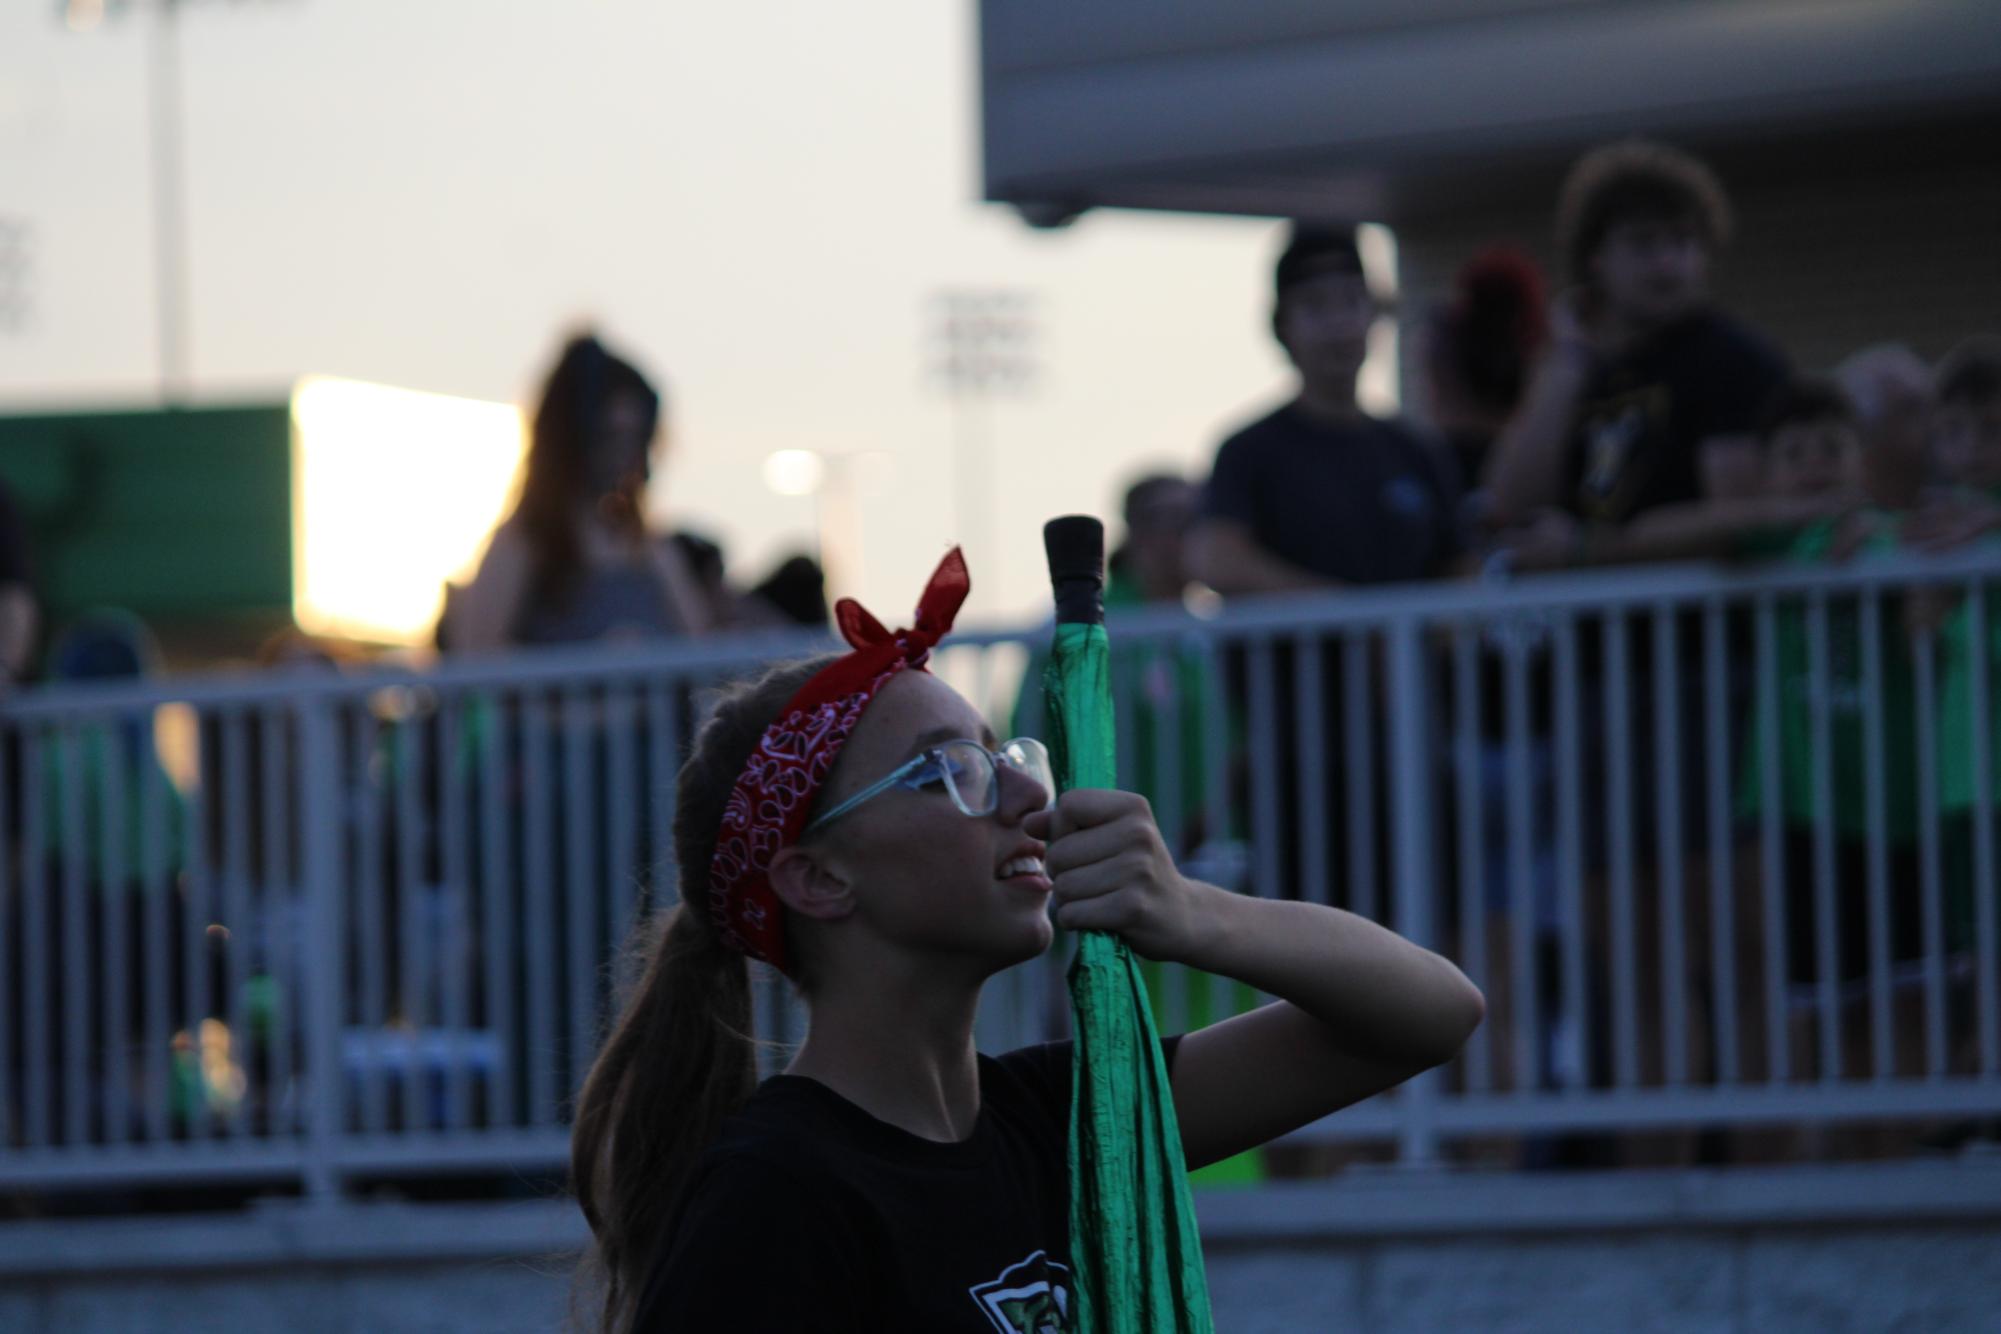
(1380, 996)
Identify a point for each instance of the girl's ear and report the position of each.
(807, 882)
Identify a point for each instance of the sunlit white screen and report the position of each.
(394, 492)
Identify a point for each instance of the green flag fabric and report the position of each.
(1134, 1251)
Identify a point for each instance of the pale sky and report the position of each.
(754, 201)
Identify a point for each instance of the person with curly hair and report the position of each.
(1644, 383)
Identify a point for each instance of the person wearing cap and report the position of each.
(854, 824)
(1317, 493)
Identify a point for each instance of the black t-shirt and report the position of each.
(808, 1214)
(1645, 414)
(1365, 501)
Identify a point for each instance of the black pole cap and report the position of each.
(1075, 545)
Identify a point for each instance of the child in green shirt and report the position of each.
(1813, 448)
(1966, 455)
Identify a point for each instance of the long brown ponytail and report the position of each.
(680, 1057)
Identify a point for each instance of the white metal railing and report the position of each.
(1720, 847)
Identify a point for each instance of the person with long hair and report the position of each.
(853, 822)
(577, 560)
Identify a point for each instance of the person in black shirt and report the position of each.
(1317, 493)
(1645, 387)
(855, 823)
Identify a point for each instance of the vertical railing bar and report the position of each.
(1171, 816)
(115, 900)
(1468, 760)
(538, 922)
(1410, 761)
(237, 932)
(496, 913)
(1722, 889)
(1881, 1054)
(370, 767)
(1924, 667)
(37, 1013)
(1125, 727)
(411, 901)
(1777, 1039)
(1978, 667)
(1309, 691)
(1359, 737)
(1215, 717)
(579, 887)
(1625, 1022)
(1522, 923)
(1264, 800)
(662, 737)
(198, 907)
(1820, 688)
(1216, 731)
(622, 811)
(76, 1062)
(1171, 813)
(277, 731)
(325, 782)
(1668, 839)
(455, 937)
(160, 945)
(1570, 833)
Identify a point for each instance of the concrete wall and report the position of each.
(1889, 1247)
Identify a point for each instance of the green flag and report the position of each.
(1134, 1250)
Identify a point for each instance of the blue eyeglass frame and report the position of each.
(906, 774)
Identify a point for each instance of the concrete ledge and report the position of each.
(1379, 1206)
(1385, 1204)
(292, 1236)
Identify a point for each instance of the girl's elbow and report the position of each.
(1473, 1013)
(1467, 1012)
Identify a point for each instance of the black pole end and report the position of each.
(1075, 545)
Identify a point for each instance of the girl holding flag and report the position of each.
(853, 822)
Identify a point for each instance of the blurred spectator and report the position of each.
(1479, 351)
(1965, 449)
(20, 613)
(1151, 564)
(1170, 686)
(793, 594)
(1890, 387)
(1818, 723)
(703, 557)
(576, 560)
(110, 645)
(1643, 376)
(1317, 493)
(1814, 447)
(796, 591)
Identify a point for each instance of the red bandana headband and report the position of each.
(768, 806)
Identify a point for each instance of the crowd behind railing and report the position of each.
(1601, 773)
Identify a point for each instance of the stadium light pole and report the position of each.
(981, 346)
(165, 113)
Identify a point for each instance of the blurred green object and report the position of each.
(1134, 1249)
(168, 513)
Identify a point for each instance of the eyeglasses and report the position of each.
(968, 771)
